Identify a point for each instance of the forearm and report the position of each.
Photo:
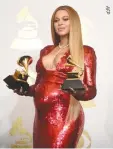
(31, 91)
(88, 94)
(89, 78)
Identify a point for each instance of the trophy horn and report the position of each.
(71, 62)
(25, 61)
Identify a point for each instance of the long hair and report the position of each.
(75, 47)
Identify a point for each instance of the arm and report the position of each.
(89, 79)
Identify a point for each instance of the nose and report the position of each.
(60, 22)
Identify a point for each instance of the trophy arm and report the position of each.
(89, 80)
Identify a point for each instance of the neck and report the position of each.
(64, 41)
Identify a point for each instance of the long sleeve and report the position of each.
(89, 79)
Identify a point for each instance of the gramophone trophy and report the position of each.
(19, 79)
(73, 78)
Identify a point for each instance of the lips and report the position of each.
(60, 29)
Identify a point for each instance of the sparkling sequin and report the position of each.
(51, 103)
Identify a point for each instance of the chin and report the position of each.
(62, 34)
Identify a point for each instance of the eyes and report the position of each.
(64, 19)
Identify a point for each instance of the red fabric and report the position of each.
(51, 103)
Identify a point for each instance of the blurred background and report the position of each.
(25, 30)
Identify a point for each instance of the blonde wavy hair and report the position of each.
(75, 47)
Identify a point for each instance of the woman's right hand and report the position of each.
(20, 91)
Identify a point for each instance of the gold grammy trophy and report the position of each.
(19, 79)
(73, 78)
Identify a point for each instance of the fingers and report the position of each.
(8, 86)
(72, 90)
(19, 91)
(15, 90)
(25, 92)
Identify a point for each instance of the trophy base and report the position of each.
(16, 84)
(76, 84)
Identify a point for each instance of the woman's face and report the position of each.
(62, 23)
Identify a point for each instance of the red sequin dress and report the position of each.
(51, 103)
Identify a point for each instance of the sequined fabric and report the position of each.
(51, 103)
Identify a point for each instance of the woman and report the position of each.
(59, 117)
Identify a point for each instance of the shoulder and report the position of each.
(88, 49)
(89, 54)
(46, 49)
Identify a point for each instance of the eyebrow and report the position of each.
(63, 17)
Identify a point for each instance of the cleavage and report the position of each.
(50, 61)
